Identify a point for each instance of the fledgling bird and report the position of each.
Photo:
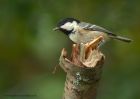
(82, 32)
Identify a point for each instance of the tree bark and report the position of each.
(83, 70)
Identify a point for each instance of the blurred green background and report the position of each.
(30, 50)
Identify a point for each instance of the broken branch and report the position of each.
(83, 70)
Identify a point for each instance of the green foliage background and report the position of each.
(30, 50)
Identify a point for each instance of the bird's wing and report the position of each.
(92, 27)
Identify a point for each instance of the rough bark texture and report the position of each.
(83, 70)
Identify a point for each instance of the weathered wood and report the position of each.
(83, 70)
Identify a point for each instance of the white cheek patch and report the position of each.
(74, 24)
(69, 25)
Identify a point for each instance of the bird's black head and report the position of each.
(67, 25)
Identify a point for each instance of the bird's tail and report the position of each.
(121, 38)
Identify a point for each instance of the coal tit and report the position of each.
(82, 32)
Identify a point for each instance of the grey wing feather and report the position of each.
(93, 27)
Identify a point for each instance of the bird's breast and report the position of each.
(84, 36)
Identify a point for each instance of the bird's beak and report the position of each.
(56, 28)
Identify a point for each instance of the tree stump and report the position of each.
(83, 70)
